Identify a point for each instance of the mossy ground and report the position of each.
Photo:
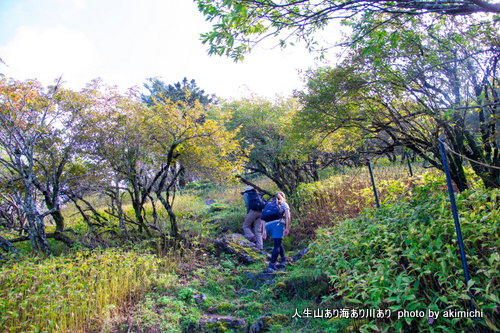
(172, 308)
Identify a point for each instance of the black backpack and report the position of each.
(272, 211)
(255, 201)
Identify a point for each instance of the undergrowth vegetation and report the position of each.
(228, 292)
(405, 256)
(77, 292)
(402, 256)
(346, 193)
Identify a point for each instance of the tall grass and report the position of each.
(63, 294)
(347, 195)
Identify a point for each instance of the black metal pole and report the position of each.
(455, 217)
(373, 182)
(409, 164)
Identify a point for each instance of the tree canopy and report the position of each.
(176, 92)
(39, 140)
(240, 25)
(273, 149)
(411, 81)
(58, 145)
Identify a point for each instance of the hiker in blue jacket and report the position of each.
(254, 204)
(276, 215)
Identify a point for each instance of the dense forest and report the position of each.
(121, 212)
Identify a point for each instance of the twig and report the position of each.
(126, 218)
(471, 160)
(129, 324)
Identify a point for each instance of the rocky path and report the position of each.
(229, 290)
(246, 253)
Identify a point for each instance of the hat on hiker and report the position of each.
(248, 188)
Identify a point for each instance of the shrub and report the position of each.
(405, 256)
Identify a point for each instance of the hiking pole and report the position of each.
(455, 217)
(373, 182)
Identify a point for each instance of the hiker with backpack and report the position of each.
(276, 216)
(254, 204)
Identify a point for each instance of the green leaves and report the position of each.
(276, 149)
(249, 22)
(405, 81)
(240, 25)
(390, 258)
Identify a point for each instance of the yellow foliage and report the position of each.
(182, 133)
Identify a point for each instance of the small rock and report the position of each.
(258, 326)
(200, 298)
(245, 292)
(260, 278)
(280, 286)
(280, 267)
(221, 324)
(238, 245)
(240, 240)
(300, 254)
(262, 324)
(209, 202)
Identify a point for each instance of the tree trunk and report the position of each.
(457, 172)
(37, 234)
(118, 203)
(155, 212)
(7, 246)
(86, 219)
(138, 215)
(51, 203)
(121, 221)
(182, 177)
(58, 219)
(138, 208)
(174, 230)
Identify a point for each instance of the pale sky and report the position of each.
(124, 42)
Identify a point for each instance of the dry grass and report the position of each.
(348, 195)
(71, 294)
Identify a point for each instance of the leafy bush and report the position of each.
(200, 186)
(229, 219)
(405, 256)
(186, 294)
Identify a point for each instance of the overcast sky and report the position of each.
(127, 41)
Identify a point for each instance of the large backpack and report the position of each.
(255, 201)
(272, 211)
